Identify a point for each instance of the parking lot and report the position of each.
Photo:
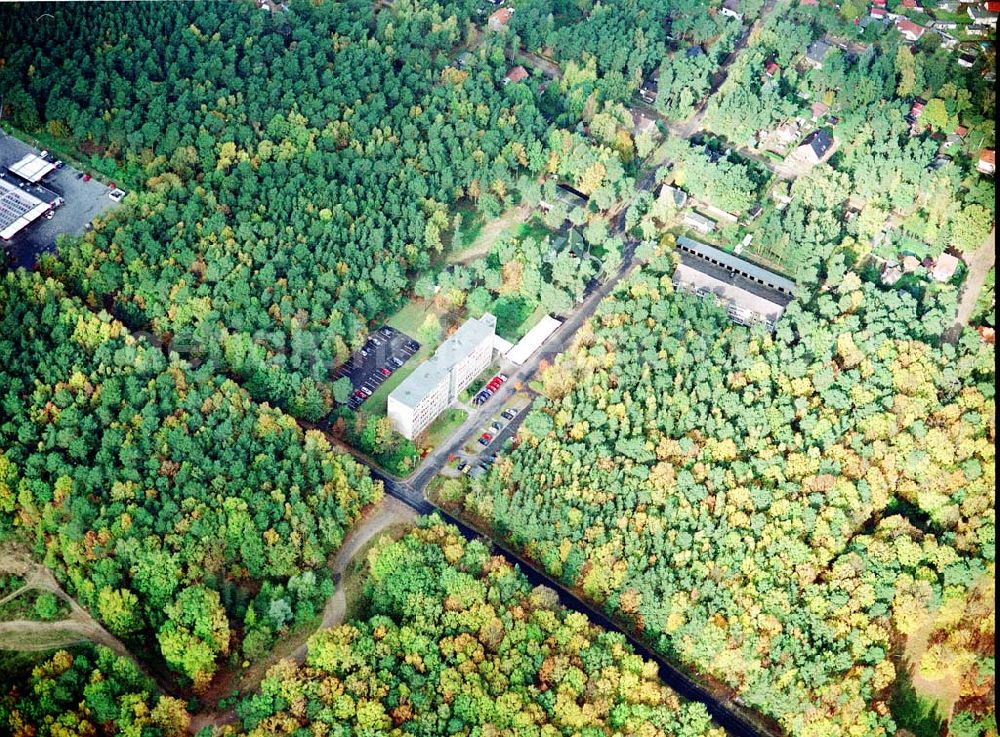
(477, 456)
(384, 353)
(83, 202)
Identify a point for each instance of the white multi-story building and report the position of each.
(427, 392)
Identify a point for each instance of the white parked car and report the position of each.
(116, 195)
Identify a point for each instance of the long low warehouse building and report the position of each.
(18, 209)
(532, 340)
(750, 293)
(32, 168)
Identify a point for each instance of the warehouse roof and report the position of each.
(735, 264)
(18, 209)
(532, 340)
(32, 168)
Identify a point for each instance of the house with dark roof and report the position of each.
(650, 88)
(694, 51)
(814, 148)
(816, 53)
(982, 16)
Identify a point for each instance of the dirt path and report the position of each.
(979, 262)
(31, 636)
(488, 235)
(387, 513)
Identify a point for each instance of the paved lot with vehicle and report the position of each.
(480, 453)
(84, 200)
(384, 353)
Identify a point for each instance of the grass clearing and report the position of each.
(446, 423)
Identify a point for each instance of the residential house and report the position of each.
(642, 123)
(771, 68)
(499, 20)
(967, 61)
(987, 161)
(808, 3)
(814, 148)
(517, 74)
(944, 267)
(878, 14)
(819, 109)
(780, 138)
(912, 5)
(731, 8)
(910, 264)
(947, 40)
(909, 30)
(916, 109)
(878, 4)
(982, 16)
(697, 221)
(754, 212)
(816, 53)
(674, 195)
(978, 29)
(649, 88)
(957, 137)
(891, 273)
(692, 52)
(944, 25)
(948, 6)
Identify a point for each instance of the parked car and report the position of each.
(508, 414)
(367, 391)
(484, 442)
(385, 371)
(462, 465)
(359, 394)
(495, 427)
(502, 377)
(116, 195)
(86, 177)
(486, 436)
(59, 165)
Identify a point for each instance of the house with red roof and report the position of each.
(987, 161)
(771, 68)
(878, 13)
(910, 31)
(499, 20)
(517, 74)
(913, 5)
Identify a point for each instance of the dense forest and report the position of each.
(286, 185)
(89, 691)
(193, 522)
(778, 511)
(456, 641)
(452, 640)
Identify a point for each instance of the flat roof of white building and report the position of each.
(18, 209)
(532, 340)
(429, 374)
(32, 168)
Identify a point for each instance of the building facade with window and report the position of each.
(427, 392)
